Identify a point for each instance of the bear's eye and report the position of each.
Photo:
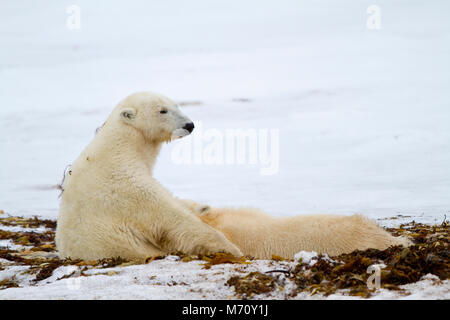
(163, 111)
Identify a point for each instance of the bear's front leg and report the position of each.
(187, 233)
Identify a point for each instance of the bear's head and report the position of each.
(157, 117)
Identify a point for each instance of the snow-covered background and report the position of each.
(364, 115)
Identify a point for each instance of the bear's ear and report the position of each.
(128, 114)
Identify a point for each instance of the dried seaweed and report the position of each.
(34, 222)
(39, 258)
(429, 255)
(46, 271)
(9, 283)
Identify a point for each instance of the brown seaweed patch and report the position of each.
(350, 272)
(33, 222)
(42, 257)
(252, 284)
(9, 283)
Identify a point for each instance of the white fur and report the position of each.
(112, 206)
(261, 236)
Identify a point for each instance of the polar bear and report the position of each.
(259, 235)
(112, 206)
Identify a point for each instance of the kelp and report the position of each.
(37, 250)
(252, 284)
(350, 272)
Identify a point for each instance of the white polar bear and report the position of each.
(261, 236)
(112, 206)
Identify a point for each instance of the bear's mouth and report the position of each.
(179, 133)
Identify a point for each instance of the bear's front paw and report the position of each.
(234, 251)
(224, 247)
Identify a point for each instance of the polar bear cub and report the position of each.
(112, 206)
(261, 236)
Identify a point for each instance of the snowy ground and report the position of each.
(168, 279)
(363, 115)
(171, 278)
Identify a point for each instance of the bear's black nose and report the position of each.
(189, 127)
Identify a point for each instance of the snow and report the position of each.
(362, 114)
(171, 279)
(22, 229)
(161, 279)
(428, 288)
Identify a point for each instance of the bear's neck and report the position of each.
(131, 150)
(151, 153)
